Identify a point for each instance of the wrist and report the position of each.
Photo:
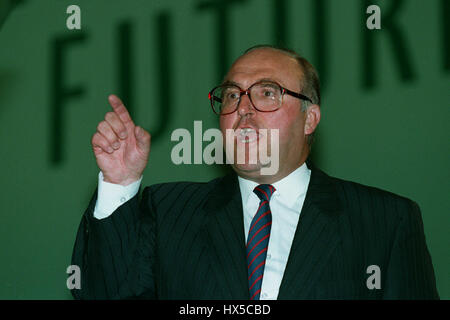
(123, 182)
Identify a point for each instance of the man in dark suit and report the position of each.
(293, 234)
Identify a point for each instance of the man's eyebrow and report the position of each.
(229, 82)
(267, 79)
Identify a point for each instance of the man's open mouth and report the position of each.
(247, 135)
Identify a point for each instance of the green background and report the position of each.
(385, 106)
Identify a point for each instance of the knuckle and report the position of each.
(103, 143)
(105, 129)
(109, 116)
(95, 136)
(101, 125)
(96, 139)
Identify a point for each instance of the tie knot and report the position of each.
(264, 191)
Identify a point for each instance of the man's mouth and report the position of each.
(247, 135)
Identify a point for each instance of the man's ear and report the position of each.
(312, 118)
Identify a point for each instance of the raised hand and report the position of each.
(121, 148)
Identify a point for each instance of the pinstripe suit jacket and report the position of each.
(186, 241)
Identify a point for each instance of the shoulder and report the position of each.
(354, 191)
(362, 199)
(178, 207)
(372, 218)
(174, 193)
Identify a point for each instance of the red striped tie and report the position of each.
(258, 240)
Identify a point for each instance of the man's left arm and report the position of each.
(410, 273)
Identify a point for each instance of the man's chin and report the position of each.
(247, 170)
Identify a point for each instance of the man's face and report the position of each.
(269, 64)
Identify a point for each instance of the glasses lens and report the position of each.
(266, 96)
(225, 99)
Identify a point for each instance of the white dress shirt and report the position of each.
(110, 196)
(285, 204)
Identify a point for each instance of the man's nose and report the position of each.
(245, 106)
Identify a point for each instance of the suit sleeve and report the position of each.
(410, 273)
(116, 255)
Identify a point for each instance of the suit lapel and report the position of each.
(315, 238)
(225, 229)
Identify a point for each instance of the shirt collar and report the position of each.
(289, 189)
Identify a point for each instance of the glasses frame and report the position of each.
(247, 93)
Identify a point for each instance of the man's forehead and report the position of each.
(264, 63)
(266, 57)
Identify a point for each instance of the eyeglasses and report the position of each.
(265, 96)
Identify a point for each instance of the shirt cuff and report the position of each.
(110, 196)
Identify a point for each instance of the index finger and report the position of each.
(119, 108)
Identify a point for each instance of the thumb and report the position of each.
(142, 139)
